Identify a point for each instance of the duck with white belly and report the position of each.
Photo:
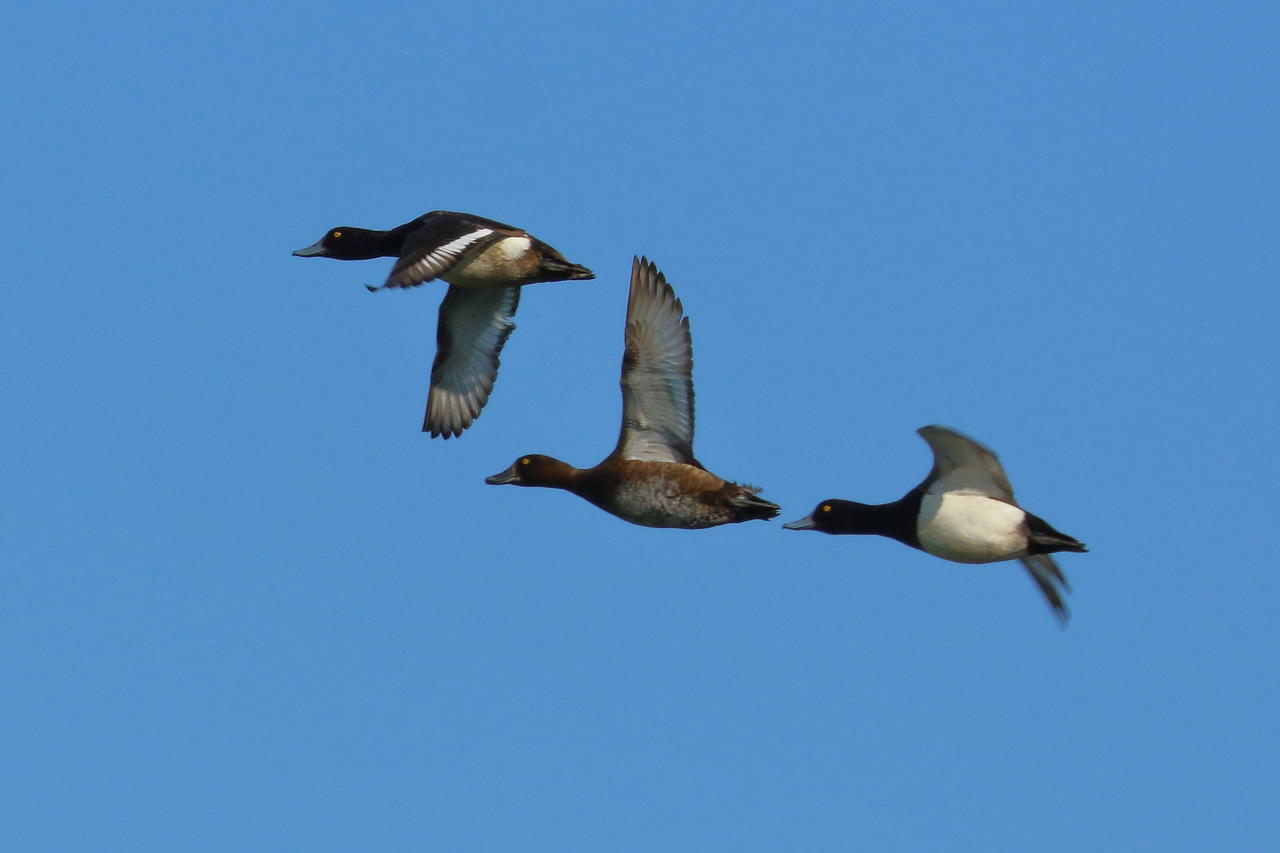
(964, 511)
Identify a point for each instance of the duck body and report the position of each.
(651, 478)
(964, 511)
(956, 527)
(460, 248)
(647, 493)
(485, 263)
(971, 528)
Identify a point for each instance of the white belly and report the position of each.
(971, 528)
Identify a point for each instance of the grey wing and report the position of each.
(657, 372)
(1045, 572)
(474, 325)
(437, 247)
(961, 464)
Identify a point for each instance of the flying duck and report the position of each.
(964, 511)
(651, 478)
(485, 263)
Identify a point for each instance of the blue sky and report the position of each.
(248, 606)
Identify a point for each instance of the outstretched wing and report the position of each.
(962, 465)
(657, 372)
(474, 325)
(438, 244)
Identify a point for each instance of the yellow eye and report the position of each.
(826, 507)
(337, 234)
(524, 461)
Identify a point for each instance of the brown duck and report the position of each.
(651, 478)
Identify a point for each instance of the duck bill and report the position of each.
(805, 523)
(315, 250)
(507, 476)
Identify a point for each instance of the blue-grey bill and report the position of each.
(310, 252)
(502, 479)
(805, 523)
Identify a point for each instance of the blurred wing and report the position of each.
(962, 465)
(437, 246)
(657, 372)
(474, 325)
(1045, 572)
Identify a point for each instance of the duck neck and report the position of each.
(552, 473)
(391, 243)
(599, 485)
(896, 520)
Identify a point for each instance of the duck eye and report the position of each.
(336, 234)
(826, 507)
(524, 461)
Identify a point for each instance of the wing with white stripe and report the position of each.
(657, 372)
(436, 247)
(474, 325)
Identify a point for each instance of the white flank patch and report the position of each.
(513, 248)
(970, 528)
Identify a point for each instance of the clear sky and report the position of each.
(247, 605)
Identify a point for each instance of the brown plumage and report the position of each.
(651, 478)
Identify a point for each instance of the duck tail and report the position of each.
(1045, 540)
(1049, 545)
(565, 271)
(753, 507)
